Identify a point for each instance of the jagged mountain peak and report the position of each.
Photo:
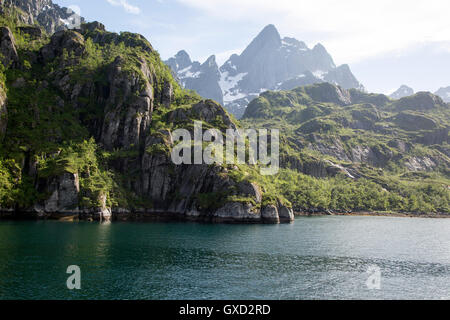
(211, 62)
(182, 54)
(267, 39)
(269, 63)
(403, 91)
(295, 42)
(269, 32)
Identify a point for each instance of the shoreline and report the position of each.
(171, 217)
(374, 214)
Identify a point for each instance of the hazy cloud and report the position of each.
(351, 30)
(125, 5)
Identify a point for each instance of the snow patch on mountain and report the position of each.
(230, 86)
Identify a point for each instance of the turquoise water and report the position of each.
(314, 258)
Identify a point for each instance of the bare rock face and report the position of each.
(286, 214)
(167, 94)
(3, 114)
(64, 194)
(8, 47)
(420, 164)
(237, 212)
(127, 116)
(270, 214)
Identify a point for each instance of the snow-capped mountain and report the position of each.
(50, 16)
(268, 63)
(444, 93)
(203, 78)
(403, 91)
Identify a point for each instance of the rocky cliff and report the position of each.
(88, 131)
(268, 63)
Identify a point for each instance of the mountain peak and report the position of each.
(268, 63)
(403, 91)
(319, 47)
(444, 93)
(180, 61)
(210, 62)
(182, 54)
(269, 33)
(267, 40)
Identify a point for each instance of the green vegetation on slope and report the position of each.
(351, 151)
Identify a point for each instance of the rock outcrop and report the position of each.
(3, 114)
(8, 49)
(64, 191)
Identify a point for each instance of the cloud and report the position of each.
(352, 30)
(125, 5)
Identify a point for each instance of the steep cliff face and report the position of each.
(90, 133)
(3, 113)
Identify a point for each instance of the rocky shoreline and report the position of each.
(269, 215)
(374, 214)
(123, 215)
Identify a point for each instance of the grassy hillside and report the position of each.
(352, 151)
(88, 129)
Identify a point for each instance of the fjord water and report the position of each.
(314, 258)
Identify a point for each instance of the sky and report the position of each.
(386, 43)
